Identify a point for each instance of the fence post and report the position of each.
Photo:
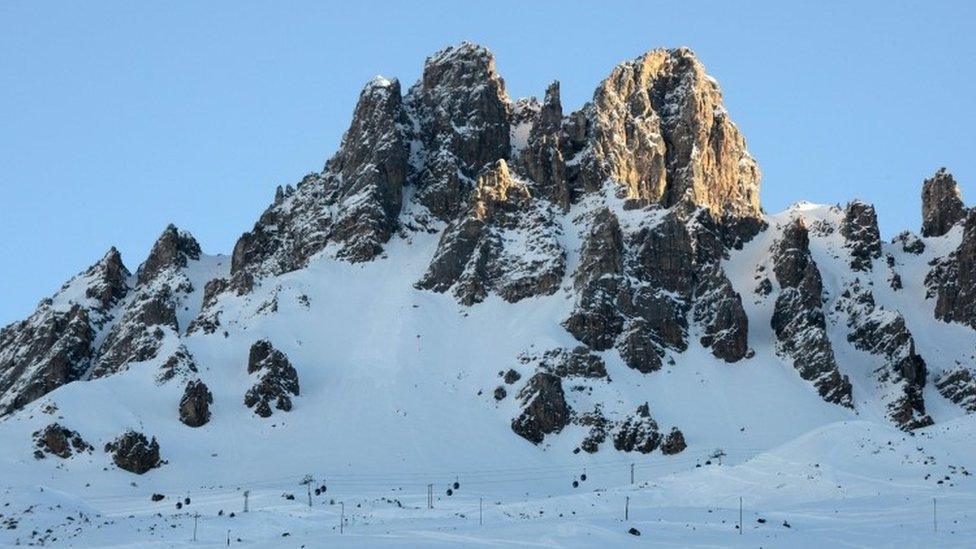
(740, 515)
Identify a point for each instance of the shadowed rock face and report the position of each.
(505, 243)
(149, 316)
(172, 250)
(638, 433)
(942, 205)
(674, 443)
(134, 453)
(952, 281)
(58, 441)
(544, 157)
(354, 202)
(565, 363)
(108, 278)
(636, 290)
(959, 386)
(195, 404)
(462, 111)
(55, 345)
(860, 228)
(544, 408)
(798, 319)
(277, 380)
(884, 333)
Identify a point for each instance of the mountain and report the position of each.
(473, 280)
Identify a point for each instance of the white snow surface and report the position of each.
(396, 393)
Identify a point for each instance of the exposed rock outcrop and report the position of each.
(909, 242)
(172, 250)
(883, 332)
(798, 319)
(718, 310)
(952, 280)
(133, 452)
(544, 410)
(543, 158)
(636, 289)
(277, 380)
(139, 334)
(598, 426)
(149, 316)
(354, 202)
(958, 384)
(461, 111)
(59, 441)
(566, 363)
(942, 205)
(658, 127)
(860, 229)
(674, 443)
(179, 364)
(638, 432)
(506, 243)
(195, 404)
(511, 376)
(55, 345)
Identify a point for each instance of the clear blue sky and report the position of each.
(119, 117)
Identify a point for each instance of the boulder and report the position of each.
(195, 404)
(132, 452)
(543, 408)
(674, 443)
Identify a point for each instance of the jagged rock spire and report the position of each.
(354, 202)
(942, 205)
(660, 129)
(172, 249)
(55, 345)
(108, 279)
(368, 173)
(543, 157)
(860, 229)
(798, 318)
(462, 110)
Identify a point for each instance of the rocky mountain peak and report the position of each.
(466, 62)
(172, 249)
(942, 205)
(551, 111)
(108, 279)
(660, 129)
(462, 114)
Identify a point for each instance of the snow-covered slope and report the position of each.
(509, 301)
